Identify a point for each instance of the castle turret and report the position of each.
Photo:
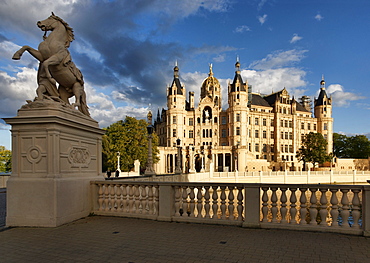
(323, 113)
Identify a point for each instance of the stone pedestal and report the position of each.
(56, 152)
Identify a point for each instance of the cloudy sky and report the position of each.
(127, 49)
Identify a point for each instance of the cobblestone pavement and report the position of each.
(114, 239)
(2, 207)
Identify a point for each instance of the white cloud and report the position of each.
(295, 38)
(242, 28)
(319, 17)
(262, 19)
(219, 58)
(261, 4)
(279, 59)
(340, 97)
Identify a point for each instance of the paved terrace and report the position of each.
(114, 239)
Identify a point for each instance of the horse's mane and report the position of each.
(69, 29)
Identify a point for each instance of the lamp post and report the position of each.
(149, 165)
(202, 154)
(192, 160)
(118, 161)
(178, 161)
(236, 157)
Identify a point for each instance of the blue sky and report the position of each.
(127, 49)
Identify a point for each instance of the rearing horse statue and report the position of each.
(56, 64)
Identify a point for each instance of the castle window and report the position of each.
(191, 121)
(309, 126)
(237, 117)
(256, 121)
(264, 122)
(237, 96)
(282, 148)
(264, 134)
(286, 148)
(250, 134)
(272, 122)
(291, 149)
(281, 123)
(286, 123)
(282, 135)
(290, 124)
(290, 136)
(174, 119)
(325, 126)
(215, 119)
(224, 120)
(223, 133)
(272, 134)
(272, 148)
(250, 147)
(191, 134)
(198, 120)
(314, 126)
(237, 130)
(174, 133)
(249, 120)
(286, 136)
(257, 147)
(302, 125)
(264, 148)
(256, 134)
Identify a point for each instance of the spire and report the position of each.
(176, 70)
(237, 65)
(322, 82)
(210, 70)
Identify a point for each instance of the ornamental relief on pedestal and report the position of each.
(79, 156)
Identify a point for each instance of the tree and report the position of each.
(357, 146)
(130, 138)
(5, 159)
(313, 149)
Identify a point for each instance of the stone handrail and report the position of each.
(309, 207)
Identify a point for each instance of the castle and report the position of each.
(255, 132)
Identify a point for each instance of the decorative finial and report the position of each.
(210, 69)
(322, 82)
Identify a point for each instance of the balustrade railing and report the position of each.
(331, 208)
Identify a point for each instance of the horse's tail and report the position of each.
(83, 105)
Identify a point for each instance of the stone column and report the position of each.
(56, 153)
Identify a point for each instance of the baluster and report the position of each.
(118, 198)
(223, 202)
(334, 207)
(143, 199)
(113, 203)
(265, 199)
(184, 201)
(283, 209)
(107, 197)
(150, 200)
(303, 205)
(231, 202)
(137, 199)
(130, 198)
(345, 208)
(274, 208)
(240, 203)
(214, 202)
(313, 206)
(101, 197)
(124, 198)
(156, 198)
(177, 200)
(293, 209)
(207, 201)
(192, 201)
(199, 202)
(323, 208)
(355, 208)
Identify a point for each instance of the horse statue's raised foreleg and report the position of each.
(34, 52)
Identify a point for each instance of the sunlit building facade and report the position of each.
(255, 133)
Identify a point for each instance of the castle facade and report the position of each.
(255, 132)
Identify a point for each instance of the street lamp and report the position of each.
(118, 162)
(149, 165)
(178, 161)
(202, 154)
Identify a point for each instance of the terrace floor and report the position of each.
(114, 239)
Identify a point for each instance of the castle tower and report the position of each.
(176, 102)
(323, 113)
(238, 110)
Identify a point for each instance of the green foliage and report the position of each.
(313, 149)
(357, 146)
(5, 159)
(130, 138)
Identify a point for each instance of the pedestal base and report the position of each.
(56, 152)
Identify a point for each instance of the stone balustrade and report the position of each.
(309, 207)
